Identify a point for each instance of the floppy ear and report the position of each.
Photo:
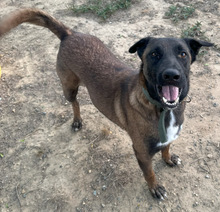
(194, 46)
(140, 46)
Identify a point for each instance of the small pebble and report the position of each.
(195, 194)
(209, 156)
(195, 204)
(104, 187)
(207, 176)
(67, 166)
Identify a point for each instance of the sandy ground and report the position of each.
(44, 166)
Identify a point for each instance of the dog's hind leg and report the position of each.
(70, 83)
(77, 120)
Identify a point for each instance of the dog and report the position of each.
(148, 103)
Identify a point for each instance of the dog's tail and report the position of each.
(33, 16)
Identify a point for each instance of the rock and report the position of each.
(209, 156)
(104, 187)
(195, 204)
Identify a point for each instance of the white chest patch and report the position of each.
(172, 131)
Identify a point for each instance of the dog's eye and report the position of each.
(183, 55)
(154, 54)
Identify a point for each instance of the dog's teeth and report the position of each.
(177, 100)
(165, 100)
(170, 104)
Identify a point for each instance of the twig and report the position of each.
(34, 131)
(197, 160)
(159, 207)
(208, 168)
(17, 194)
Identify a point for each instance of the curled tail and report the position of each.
(33, 16)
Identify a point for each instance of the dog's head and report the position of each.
(166, 65)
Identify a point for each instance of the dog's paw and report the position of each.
(159, 192)
(76, 125)
(174, 160)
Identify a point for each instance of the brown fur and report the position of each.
(115, 89)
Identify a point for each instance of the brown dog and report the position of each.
(148, 104)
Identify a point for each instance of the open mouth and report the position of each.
(169, 95)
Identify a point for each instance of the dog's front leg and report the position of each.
(145, 163)
(171, 160)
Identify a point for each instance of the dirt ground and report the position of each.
(44, 166)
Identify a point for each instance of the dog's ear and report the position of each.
(140, 46)
(195, 45)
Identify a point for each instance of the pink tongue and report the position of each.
(170, 92)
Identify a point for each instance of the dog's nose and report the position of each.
(171, 75)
